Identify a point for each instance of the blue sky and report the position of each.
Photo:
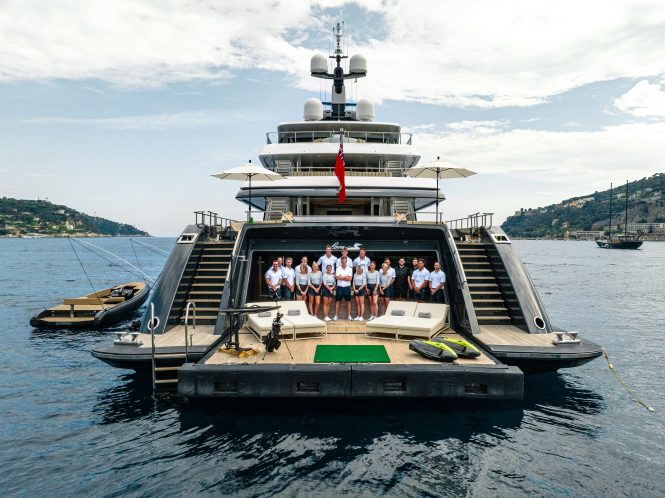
(125, 109)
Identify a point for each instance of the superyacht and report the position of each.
(201, 336)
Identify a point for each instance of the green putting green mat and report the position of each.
(328, 353)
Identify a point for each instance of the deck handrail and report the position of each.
(212, 222)
(456, 256)
(385, 137)
(475, 220)
(188, 339)
(151, 328)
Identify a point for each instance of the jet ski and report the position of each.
(433, 350)
(462, 347)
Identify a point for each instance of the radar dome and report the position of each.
(365, 110)
(319, 64)
(357, 65)
(313, 110)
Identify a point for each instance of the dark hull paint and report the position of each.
(539, 359)
(629, 244)
(102, 319)
(131, 358)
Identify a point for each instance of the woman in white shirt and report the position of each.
(302, 281)
(373, 290)
(329, 284)
(359, 284)
(315, 286)
(385, 286)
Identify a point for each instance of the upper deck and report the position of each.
(328, 131)
(309, 147)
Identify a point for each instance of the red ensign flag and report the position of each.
(339, 169)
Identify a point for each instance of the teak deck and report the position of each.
(339, 333)
(204, 336)
(509, 335)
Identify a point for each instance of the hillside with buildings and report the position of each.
(20, 218)
(588, 216)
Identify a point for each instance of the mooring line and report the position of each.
(141, 275)
(154, 249)
(632, 395)
(86, 274)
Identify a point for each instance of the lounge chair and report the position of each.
(297, 322)
(405, 320)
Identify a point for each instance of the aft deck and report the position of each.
(338, 333)
(509, 335)
(291, 372)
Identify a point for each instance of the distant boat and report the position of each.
(624, 241)
(33, 235)
(94, 310)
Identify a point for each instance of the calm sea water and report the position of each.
(74, 426)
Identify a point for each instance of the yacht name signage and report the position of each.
(338, 247)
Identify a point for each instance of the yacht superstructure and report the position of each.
(217, 267)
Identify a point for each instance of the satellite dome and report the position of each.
(319, 64)
(365, 110)
(313, 110)
(357, 65)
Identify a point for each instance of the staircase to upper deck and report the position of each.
(493, 296)
(203, 282)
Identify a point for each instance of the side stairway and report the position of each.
(491, 291)
(203, 282)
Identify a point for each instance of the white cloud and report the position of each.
(483, 54)
(516, 166)
(478, 127)
(643, 100)
(148, 122)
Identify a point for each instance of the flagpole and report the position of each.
(437, 196)
(250, 198)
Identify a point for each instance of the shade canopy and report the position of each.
(440, 170)
(248, 171)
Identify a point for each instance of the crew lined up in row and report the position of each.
(343, 277)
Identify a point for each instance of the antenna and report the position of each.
(356, 69)
(625, 223)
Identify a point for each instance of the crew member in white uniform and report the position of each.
(328, 259)
(420, 279)
(273, 279)
(437, 282)
(362, 260)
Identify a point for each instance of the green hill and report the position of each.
(19, 217)
(646, 205)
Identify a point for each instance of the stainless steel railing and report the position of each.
(151, 327)
(212, 222)
(476, 220)
(281, 137)
(188, 338)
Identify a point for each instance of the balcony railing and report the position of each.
(285, 137)
(475, 220)
(214, 224)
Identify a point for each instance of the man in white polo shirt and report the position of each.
(327, 260)
(362, 260)
(344, 274)
(288, 280)
(437, 281)
(420, 278)
(273, 279)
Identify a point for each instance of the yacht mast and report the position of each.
(357, 69)
(625, 224)
(609, 231)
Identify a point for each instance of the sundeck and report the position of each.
(217, 267)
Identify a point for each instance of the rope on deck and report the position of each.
(634, 397)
